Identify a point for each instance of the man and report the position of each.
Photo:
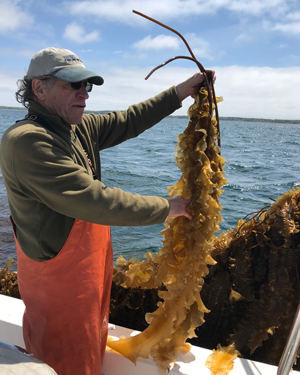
(61, 211)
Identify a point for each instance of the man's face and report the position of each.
(62, 100)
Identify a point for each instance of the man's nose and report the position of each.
(82, 92)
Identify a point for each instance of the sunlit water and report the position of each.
(262, 163)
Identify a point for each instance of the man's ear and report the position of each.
(38, 89)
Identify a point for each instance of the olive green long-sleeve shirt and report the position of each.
(49, 181)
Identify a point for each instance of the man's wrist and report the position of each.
(182, 92)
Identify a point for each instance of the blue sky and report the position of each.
(254, 47)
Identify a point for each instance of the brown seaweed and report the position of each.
(8, 281)
(182, 263)
(256, 323)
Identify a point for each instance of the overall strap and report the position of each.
(40, 121)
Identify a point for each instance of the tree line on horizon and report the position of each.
(247, 119)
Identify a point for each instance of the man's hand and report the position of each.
(179, 207)
(191, 85)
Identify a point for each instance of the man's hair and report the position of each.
(25, 94)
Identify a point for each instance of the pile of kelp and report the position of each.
(252, 291)
(8, 281)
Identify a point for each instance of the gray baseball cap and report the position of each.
(61, 63)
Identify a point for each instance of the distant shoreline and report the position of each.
(246, 119)
(249, 119)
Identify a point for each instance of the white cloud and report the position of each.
(274, 15)
(200, 47)
(120, 10)
(76, 33)
(288, 28)
(17, 53)
(294, 16)
(258, 7)
(289, 24)
(242, 38)
(257, 92)
(157, 43)
(8, 87)
(12, 17)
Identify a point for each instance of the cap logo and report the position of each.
(72, 58)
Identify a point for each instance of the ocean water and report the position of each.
(262, 163)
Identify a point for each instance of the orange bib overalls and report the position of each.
(67, 301)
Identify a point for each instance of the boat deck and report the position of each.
(192, 363)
